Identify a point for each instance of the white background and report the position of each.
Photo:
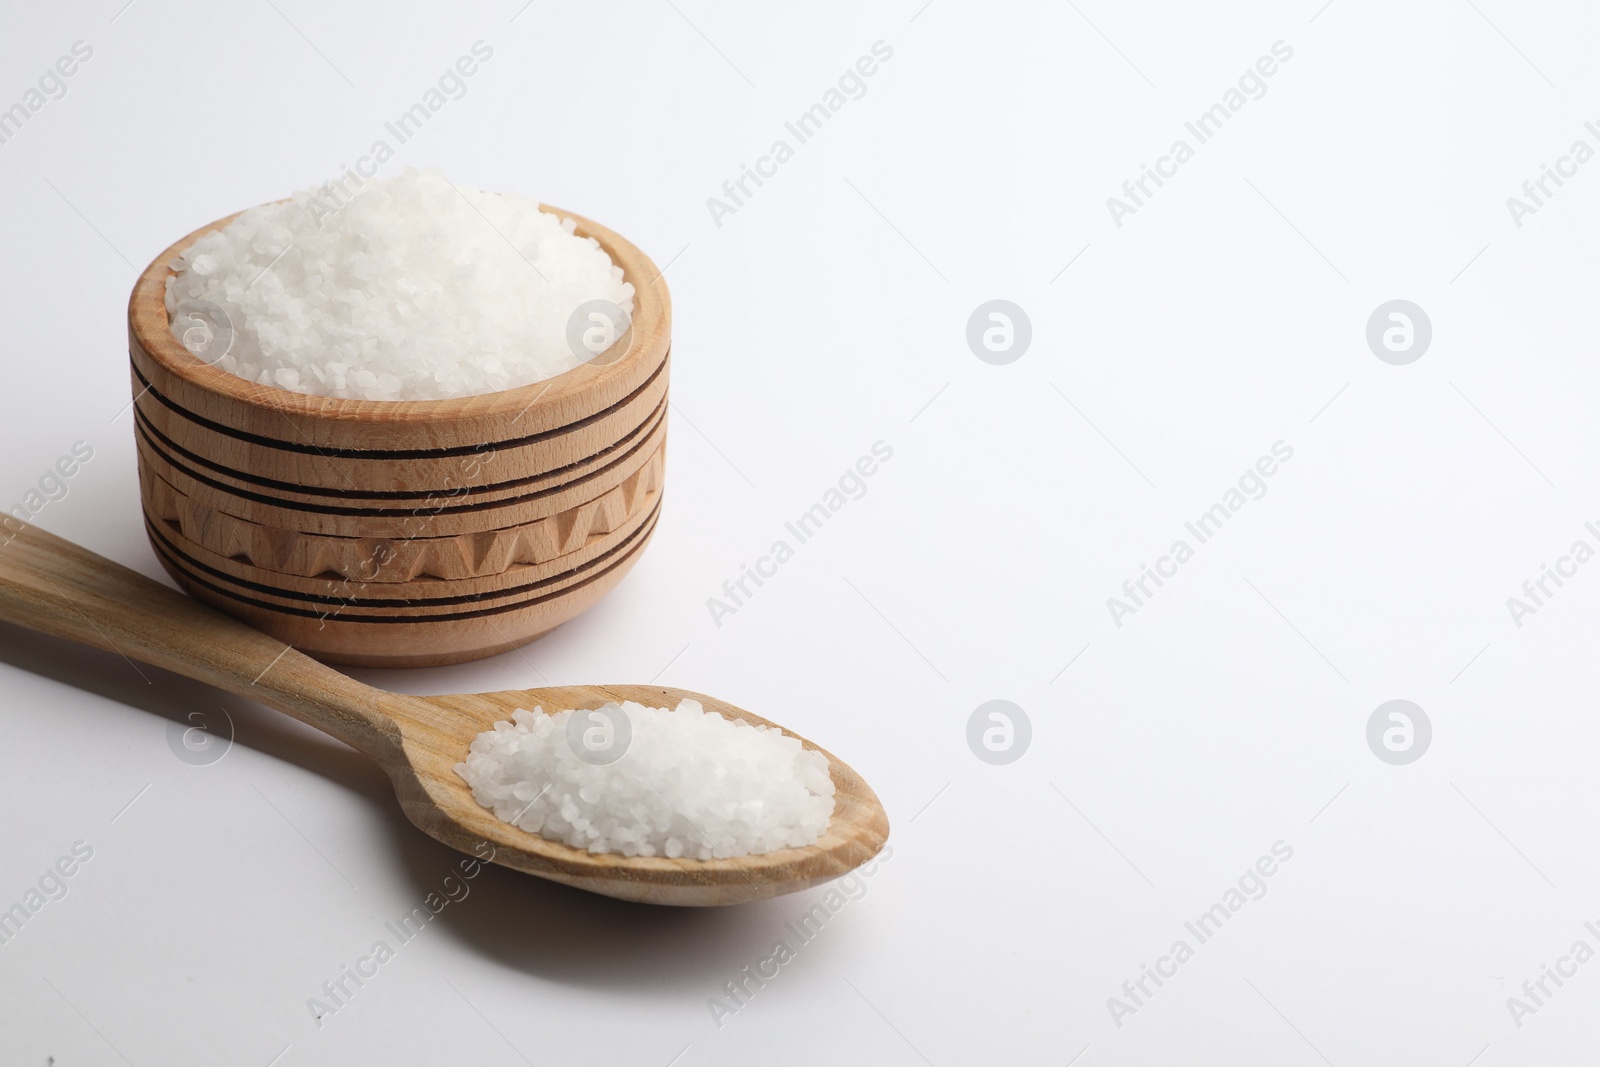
(828, 313)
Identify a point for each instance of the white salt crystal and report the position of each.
(688, 783)
(418, 289)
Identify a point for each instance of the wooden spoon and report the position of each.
(55, 586)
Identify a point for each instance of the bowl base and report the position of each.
(443, 659)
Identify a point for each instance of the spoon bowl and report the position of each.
(57, 587)
(437, 731)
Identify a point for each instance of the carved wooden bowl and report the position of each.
(402, 533)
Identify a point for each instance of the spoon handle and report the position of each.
(54, 586)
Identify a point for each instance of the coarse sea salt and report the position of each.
(412, 289)
(689, 783)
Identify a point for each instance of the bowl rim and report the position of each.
(150, 329)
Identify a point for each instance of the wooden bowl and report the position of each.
(402, 533)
